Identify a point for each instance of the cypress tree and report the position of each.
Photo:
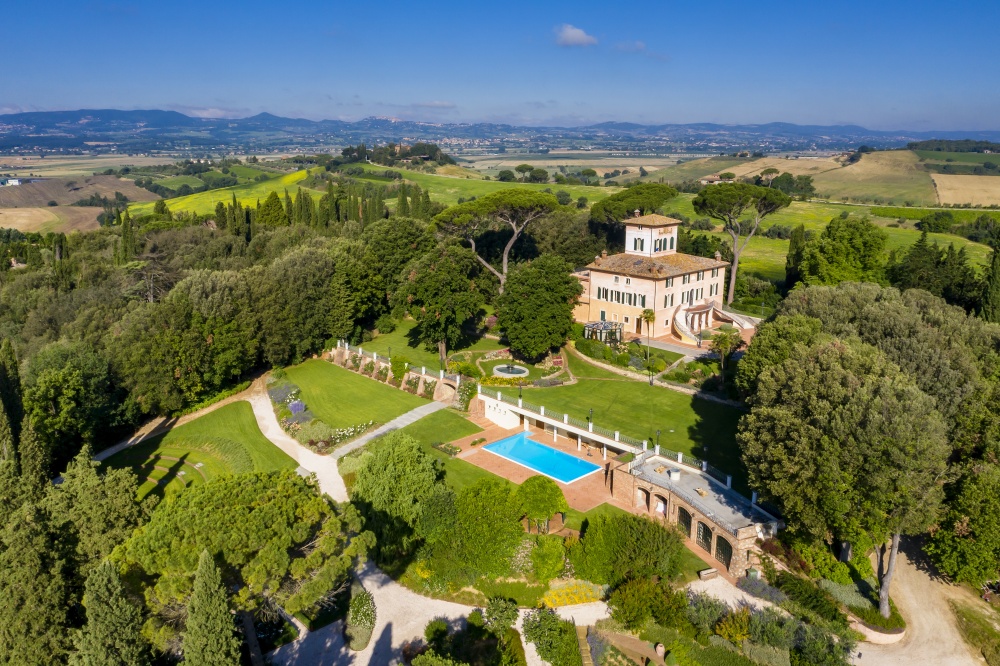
(402, 206)
(10, 388)
(425, 205)
(33, 592)
(113, 633)
(991, 290)
(289, 208)
(208, 633)
(220, 215)
(794, 256)
(35, 459)
(8, 446)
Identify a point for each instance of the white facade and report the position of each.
(650, 241)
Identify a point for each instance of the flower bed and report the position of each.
(450, 449)
(412, 384)
(429, 386)
(296, 420)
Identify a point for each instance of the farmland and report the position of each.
(56, 219)
(975, 190)
(204, 202)
(66, 191)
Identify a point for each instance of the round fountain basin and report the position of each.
(510, 371)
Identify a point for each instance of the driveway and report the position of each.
(932, 634)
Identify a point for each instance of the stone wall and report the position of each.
(661, 504)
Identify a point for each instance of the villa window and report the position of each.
(616, 279)
(684, 295)
(686, 279)
(628, 280)
(668, 300)
(656, 245)
(670, 282)
(701, 275)
(671, 242)
(643, 299)
(715, 272)
(603, 315)
(626, 319)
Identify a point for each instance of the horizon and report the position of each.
(564, 66)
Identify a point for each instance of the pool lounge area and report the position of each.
(557, 465)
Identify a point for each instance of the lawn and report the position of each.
(341, 398)
(404, 341)
(446, 426)
(224, 441)
(980, 626)
(582, 369)
(687, 423)
(204, 202)
(175, 182)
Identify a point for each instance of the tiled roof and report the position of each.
(671, 265)
(652, 220)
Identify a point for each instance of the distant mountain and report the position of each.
(106, 130)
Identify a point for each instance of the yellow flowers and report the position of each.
(572, 592)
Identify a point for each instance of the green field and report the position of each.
(687, 424)
(446, 426)
(957, 158)
(581, 369)
(173, 182)
(765, 257)
(224, 441)
(449, 189)
(403, 341)
(341, 398)
(694, 169)
(204, 202)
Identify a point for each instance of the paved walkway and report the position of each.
(402, 421)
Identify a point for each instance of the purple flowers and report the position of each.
(297, 407)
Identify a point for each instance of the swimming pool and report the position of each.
(543, 459)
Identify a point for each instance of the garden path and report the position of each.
(401, 617)
(400, 421)
(932, 634)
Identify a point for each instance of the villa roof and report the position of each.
(651, 220)
(671, 265)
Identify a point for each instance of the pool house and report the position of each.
(719, 523)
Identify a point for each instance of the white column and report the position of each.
(423, 369)
(565, 418)
(520, 402)
(375, 356)
(605, 453)
(680, 457)
(555, 433)
(590, 426)
(542, 410)
(644, 445)
(657, 449)
(753, 499)
(616, 435)
(729, 480)
(579, 442)
(704, 466)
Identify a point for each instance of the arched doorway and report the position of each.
(704, 536)
(660, 505)
(684, 521)
(723, 551)
(642, 498)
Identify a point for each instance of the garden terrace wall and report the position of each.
(443, 386)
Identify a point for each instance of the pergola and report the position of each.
(605, 331)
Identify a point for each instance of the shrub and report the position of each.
(436, 634)
(548, 558)
(554, 638)
(632, 604)
(780, 231)
(679, 654)
(705, 611)
(735, 627)
(853, 594)
(623, 359)
(761, 590)
(385, 324)
(809, 596)
(870, 615)
(360, 618)
(616, 548)
(399, 364)
(412, 384)
(512, 650)
(765, 655)
(464, 368)
(501, 614)
(770, 627)
(659, 365)
(382, 374)
(703, 224)
(429, 386)
(822, 563)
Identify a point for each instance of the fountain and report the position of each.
(510, 370)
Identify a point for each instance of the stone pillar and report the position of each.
(590, 426)
(565, 418)
(479, 389)
(753, 498)
(423, 369)
(729, 480)
(657, 449)
(579, 442)
(375, 356)
(704, 466)
(643, 445)
(616, 435)
(520, 402)
(680, 457)
(541, 410)
(555, 433)
(440, 374)
(604, 452)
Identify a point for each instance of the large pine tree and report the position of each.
(8, 447)
(991, 290)
(208, 634)
(113, 633)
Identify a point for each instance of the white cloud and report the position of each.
(569, 35)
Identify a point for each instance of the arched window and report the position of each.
(723, 551)
(704, 536)
(684, 521)
(659, 504)
(671, 242)
(642, 498)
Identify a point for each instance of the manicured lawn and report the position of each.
(446, 425)
(341, 398)
(687, 424)
(225, 441)
(583, 369)
(403, 341)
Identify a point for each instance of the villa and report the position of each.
(683, 291)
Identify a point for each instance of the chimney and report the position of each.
(638, 212)
(718, 256)
(604, 254)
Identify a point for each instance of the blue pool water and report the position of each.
(542, 459)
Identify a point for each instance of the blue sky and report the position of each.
(882, 64)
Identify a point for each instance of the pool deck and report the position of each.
(583, 494)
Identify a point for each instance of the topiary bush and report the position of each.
(554, 638)
(360, 618)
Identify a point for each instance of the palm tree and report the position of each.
(724, 344)
(648, 317)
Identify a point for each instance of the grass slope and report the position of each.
(225, 441)
(204, 202)
(688, 424)
(341, 398)
(404, 341)
(694, 169)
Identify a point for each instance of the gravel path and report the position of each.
(932, 634)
